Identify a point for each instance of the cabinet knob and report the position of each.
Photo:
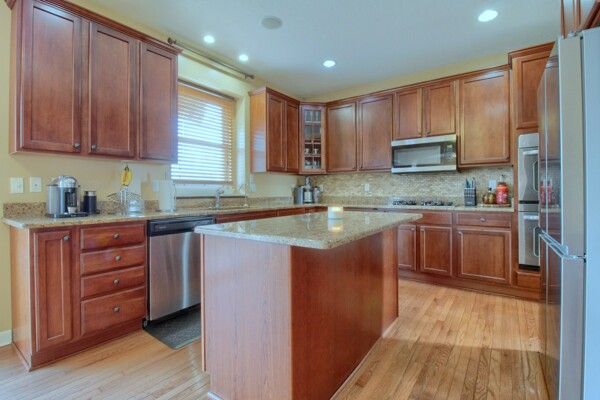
(66, 238)
(117, 258)
(116, 236)
(482, 219)
(94, 147)
(116, 282)
(116, 309)
(77, 146)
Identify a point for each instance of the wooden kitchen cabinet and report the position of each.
(408, 114)
(274, 129)
(484, 254)
(113, 69)
(52, 276)
(375, 126)
(439, 109)
(527, 68)
(342, 143)
(46, 78)
(436, 249)
(84, 84)
(408, 249)
(313, 140)
(484, 133)
(158, 103)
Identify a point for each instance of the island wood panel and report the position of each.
(49, 79)
(375, 126)
(408, 114)
(284, 322)
(341, 138)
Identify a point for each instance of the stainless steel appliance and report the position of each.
(174, 265)
(569, 217)
(62, 198)
(431, 153)
(528, 200)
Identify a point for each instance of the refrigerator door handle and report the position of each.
(561, 250)
(536, 241)
(535, 172)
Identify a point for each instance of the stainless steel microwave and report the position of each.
(427, 154)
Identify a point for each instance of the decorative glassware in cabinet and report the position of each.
(312, 140)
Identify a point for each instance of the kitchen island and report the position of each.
(291, 305)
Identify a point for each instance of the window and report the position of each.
(205, 137)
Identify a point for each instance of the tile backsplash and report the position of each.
(440, 185)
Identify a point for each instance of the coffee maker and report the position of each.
(62, 198)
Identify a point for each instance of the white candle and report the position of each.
(335, 212)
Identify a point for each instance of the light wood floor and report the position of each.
(447, 344)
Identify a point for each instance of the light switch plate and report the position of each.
(35, 184)
(16, 185)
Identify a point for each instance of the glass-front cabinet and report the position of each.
(312, 139)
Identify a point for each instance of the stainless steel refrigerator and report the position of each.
(565, 96)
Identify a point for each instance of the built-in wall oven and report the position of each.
(528, 200)
(426, 154)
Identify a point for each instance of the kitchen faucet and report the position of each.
(218, 194)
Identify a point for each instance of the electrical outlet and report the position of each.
(16, 185)
(367, 187)
(35, 184)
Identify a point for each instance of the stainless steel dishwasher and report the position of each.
(174, 265)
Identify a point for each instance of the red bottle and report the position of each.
(502, 193)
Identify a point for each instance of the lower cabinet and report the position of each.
(71, 293)
(407, 247)
(484, 254)
(436, 249)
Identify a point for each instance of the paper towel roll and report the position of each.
(166, 195)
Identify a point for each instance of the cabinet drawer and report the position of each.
(110, 236)
(435, 218)
(103, 312)
(105, 260)
(112, 281)
(498, 220)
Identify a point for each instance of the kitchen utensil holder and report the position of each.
(470, 196)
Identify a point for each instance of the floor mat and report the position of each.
(178, 331)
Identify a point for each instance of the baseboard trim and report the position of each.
(5, 338)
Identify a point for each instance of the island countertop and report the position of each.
(314, 231)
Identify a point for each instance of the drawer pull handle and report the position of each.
(117, 258)
(116, 282)
(76, 146)
(116, 236)
(66, 238)
(94, 147)
(116, 309)
(482, 219)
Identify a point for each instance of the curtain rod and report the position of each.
(174, 42)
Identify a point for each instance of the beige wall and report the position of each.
(103, 174)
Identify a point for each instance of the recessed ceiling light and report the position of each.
(209, 39)
(328, 63)
(487, 15)
(271, 22)
(243, 57)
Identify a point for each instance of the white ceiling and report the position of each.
(369, 40)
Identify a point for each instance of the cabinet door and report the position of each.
(276, 133)
(484, 254)
(375, 133)
(436, 249)
(50, 80)
(52, 285)
(341, 138)
(158, 104)
(526, 74)
(292, 147)
(484, 112)
(408, 114)
(112, 92)
(440, 109)
(407, 247)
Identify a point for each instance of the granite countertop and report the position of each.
(39, 221)
(311, 230)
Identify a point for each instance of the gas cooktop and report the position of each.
(428, 203)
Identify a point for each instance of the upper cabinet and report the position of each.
(375, 126)
(312, 139)
(577, 15)
(274, 128)
(81, 83)
(426, 110)
(484, 132)
(341, 137)
(527, 67)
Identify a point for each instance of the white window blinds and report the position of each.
(205, 137)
